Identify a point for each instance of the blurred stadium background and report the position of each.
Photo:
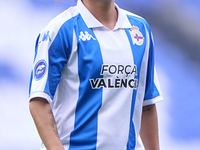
(175, 25)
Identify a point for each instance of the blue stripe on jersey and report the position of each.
(36, 46)
(151, 89)
(138, 52)
(59, 53)
(84, 135)
(30, 82)
(36, 50)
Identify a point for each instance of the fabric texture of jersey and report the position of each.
(96, 80)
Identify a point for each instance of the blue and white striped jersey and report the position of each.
(96, 80)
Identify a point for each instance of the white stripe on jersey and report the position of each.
(65, 116)
(114, 100)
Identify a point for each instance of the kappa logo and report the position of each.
(45, 37)
(85, 36)
(137, 36)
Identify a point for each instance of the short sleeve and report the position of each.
(152, 90)
(51, 55)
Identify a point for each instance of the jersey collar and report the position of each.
(92, 22)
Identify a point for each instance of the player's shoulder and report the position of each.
(57, 22)
(135, 18)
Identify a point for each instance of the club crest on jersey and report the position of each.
(137, 36)
(85, 36)
(40, 69)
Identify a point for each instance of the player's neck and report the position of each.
(103, 10)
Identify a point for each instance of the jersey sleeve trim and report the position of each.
(153, 100)
(41, 95)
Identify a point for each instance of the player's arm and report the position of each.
(149, 128)
(45, 123)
